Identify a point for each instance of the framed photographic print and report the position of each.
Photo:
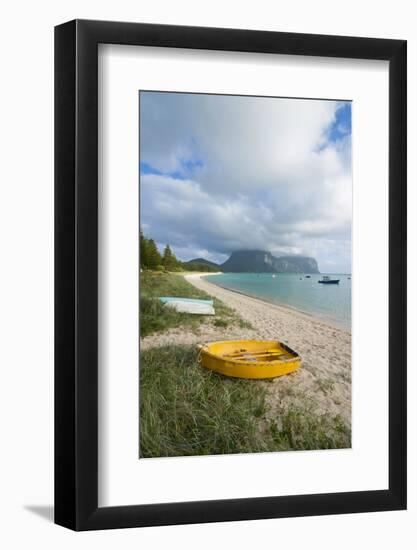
(230, 252)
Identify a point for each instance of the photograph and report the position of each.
(245, 274)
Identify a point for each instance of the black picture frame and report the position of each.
(76, 272)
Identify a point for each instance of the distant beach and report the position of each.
(325, 349)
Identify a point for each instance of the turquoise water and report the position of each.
(329, 302)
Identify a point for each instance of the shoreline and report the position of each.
(324, 378)
(279, 305)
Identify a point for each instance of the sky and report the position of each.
(224, 173)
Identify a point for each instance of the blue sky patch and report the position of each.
(192, 164)
(188, 166)
(342, 125)
(146, 168)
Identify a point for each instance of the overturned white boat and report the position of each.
(189, 305)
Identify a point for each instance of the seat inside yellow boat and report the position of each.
(251, 350)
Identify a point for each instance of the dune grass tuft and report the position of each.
(186, 409)
(156, 317)
(300, 429)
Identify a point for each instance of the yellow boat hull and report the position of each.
(249, 358)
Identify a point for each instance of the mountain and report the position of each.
(261, 261)
(297, 264)
(200, 264)
(203, 261)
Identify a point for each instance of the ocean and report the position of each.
(330, 303)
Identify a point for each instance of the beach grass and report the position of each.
(156, 317)
(186, 409)
(300, 428)
(155, 283)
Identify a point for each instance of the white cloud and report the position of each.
(269, 178)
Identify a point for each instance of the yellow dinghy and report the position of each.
(249, 358)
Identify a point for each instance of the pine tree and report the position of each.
(144, 251)
(153, 256)
(169, 261)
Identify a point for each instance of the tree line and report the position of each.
(152, 259)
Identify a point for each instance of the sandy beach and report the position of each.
(324, 378)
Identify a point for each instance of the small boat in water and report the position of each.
(308, 276)
(249, 358)
(328, 281)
